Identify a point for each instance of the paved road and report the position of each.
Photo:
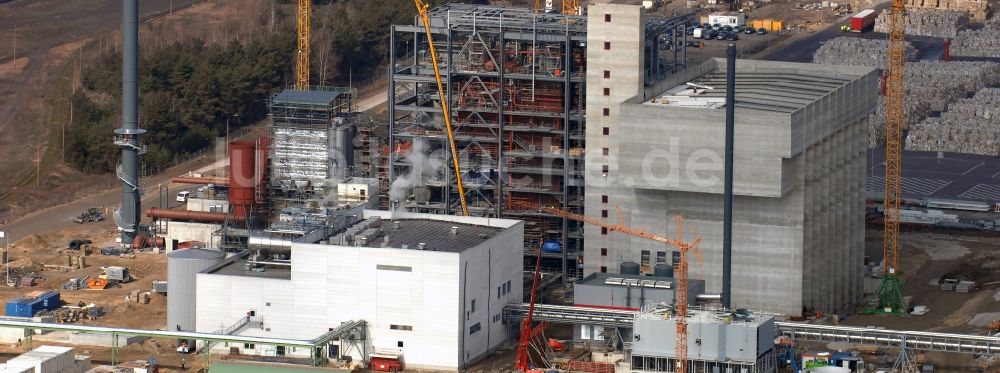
(59, 217)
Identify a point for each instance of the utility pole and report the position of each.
(38, 166)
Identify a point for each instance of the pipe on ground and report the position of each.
(197, 216)
(201, 180)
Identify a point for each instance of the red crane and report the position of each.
(528, 333)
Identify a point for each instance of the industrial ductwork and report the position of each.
(197, 216)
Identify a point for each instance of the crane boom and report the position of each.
(682, 267)
(302, 57)
(527, 332)
(426, 19)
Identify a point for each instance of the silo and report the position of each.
(182, 268)
(663, 270)
(629, 268)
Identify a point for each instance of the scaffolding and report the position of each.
(311, 144)
(515, 85)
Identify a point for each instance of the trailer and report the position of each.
(862, 21)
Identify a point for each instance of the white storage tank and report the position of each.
(182, 268)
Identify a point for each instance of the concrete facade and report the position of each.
(442, 309)
(798, 178)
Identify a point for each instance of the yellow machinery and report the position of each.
(571, 7)
(682, 267)
(889, 294)
(302, 57)
(422, 9)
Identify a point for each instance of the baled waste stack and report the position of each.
(979, 43)
(971, 125)
(930, 87)
(927, 22)
(857, 52)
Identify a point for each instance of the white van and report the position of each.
(183, 196)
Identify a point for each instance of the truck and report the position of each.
(698, 33)
(862, 21)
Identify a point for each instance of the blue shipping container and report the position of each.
(551, 247)
(20, 307)
(50, 300)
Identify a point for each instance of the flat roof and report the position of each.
(609, 279)
(707, 315)
(760, 85)
(238, 268)
(316, 97)
(436, 235)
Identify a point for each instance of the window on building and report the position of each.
(475, 328)
(472, 306)
(604, 170)
(607, 45)
(675, 256)
(598, 330)
(604, 213)
(661, 257)
(401, 327)
(399, 344)
(604, 199)
(607, 91)
(607, 112)
(585, 331)
(499, 288)
(604, 230)
(607, 18)
(644, 259)
(604, 251)
(607, 74)
(605, 151)
(606, 131)
(249, 346)
(508, 286)
(604, 269)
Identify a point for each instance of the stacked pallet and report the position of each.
(930, 87)
(857, 52)
(927, 22)
(970, 125)
(979, 43)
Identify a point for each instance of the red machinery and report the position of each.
(529, 333)
(386, 362)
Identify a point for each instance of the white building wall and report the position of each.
(419, 291)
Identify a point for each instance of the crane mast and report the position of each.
(889, 294)
(681, 275)
(426, 20)
(302, 57)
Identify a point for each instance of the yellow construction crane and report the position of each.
(682, 266)
(889, 294)
(302, 57)
(571, 7)
(426, 19)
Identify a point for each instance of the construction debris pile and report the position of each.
(971, 125)
(976, 9)
(857, 52)
(930, 87)
(927, 22)
(979, 43)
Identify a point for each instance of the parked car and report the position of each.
(749, 31)
(690, 30)
(183, 196)
(733, 36)
(727, 28)
(761, 31)
(712, 34)
(721, 36)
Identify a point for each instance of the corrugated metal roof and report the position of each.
(307, 97)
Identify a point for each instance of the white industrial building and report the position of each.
(47, 359)
(431, 287)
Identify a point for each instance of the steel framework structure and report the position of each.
(514, 86)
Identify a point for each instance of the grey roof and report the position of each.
(435, 234)
(772, 91)
(196, 254)
(238, 268)
(307, 97)
(597, 278)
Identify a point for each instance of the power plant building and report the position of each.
(798, 230)
(430, 287)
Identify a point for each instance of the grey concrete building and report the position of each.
(656, 150)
